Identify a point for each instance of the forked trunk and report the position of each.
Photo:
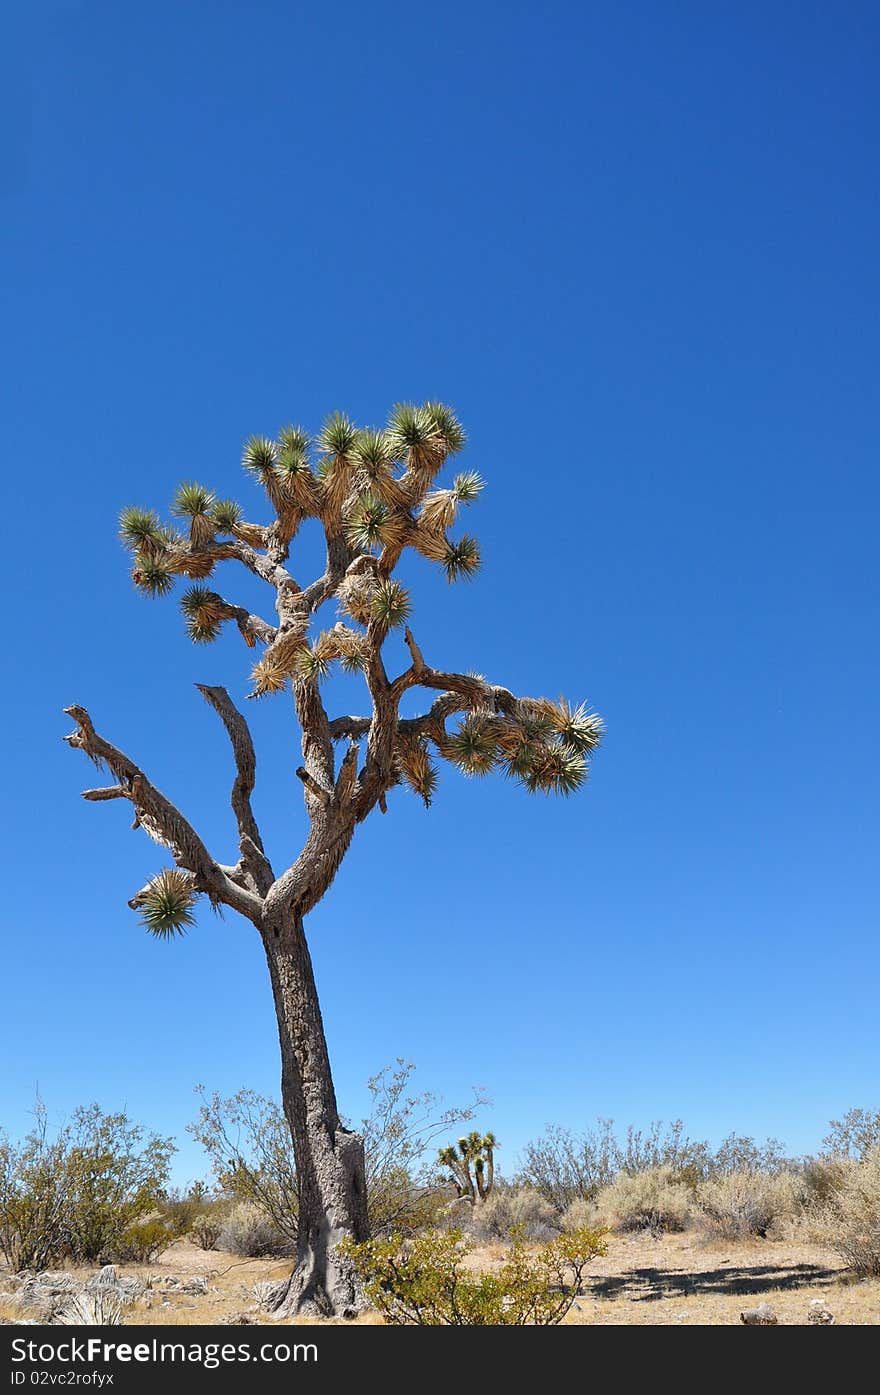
(329, 1158)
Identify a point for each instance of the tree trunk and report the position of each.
(329, 1158)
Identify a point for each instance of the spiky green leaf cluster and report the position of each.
(195, 502)
(227, 515)
(151, 574)
(337, 436)
(204, 612)
(312, 662)
(425, 433)
(473, 748)
(391, 605)
(409, 428)
(368, 523)
(447, 426)
(260, 457)
(141, 530)
(166, 907)
(351, 648)
(462, 559)
(556, 768)
(192, 500)
(466, 486)
(293, 456)
(375, 450)
(577, 727)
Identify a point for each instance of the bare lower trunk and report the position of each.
(329, 1158)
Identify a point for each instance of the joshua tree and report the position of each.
(478, 1149)
(373, 493)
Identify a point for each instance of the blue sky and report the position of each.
(635, 246)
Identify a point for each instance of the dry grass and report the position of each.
(680, 1279)
(670, 1280)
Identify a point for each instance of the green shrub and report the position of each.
(143, 1242)
(423, 1281)
(656, 1200)
(206, 1230)
(180, 1208)
(73, 1196)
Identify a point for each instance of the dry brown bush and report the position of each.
(654, 1200)
(850, 1221)
(509, 1211)
(747, 1203)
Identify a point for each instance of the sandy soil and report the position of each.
(670, 1280)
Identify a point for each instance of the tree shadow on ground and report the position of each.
(648, 1285)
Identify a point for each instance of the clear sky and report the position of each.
(635, 246)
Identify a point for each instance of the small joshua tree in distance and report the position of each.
(475, 1149)
(374, 494)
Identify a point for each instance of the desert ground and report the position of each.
(667, 1280)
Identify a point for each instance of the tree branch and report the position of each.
(237, 729)
(347, 779)
(418, 663)
(252, 627)
(311, 784)
(161, 819)
(351, 727)
(317, 747)
(107, 792)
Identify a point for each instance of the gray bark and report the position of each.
(329, 1158)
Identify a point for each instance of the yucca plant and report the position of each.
(475, 1151)
(391, 604)
(462, 559)
(227, 515)
(166, 904)
(142, 530)
(195, 503)
(373, 494)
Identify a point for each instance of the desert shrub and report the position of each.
(823, 1178)
(580, 1215)
(206, 1230)
(248, 1141)
(855, 1135)
(737, 1205)
(851, 1221)
(423, 1280)
(74, 1195)
(404, 1189)
(564, 1166)
(738, 1154)
(180, 1208)
(654, 1200)
(97, 1309)
(662, 1146)
(143, 1242)
(508, 1211)
(249, 1232)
